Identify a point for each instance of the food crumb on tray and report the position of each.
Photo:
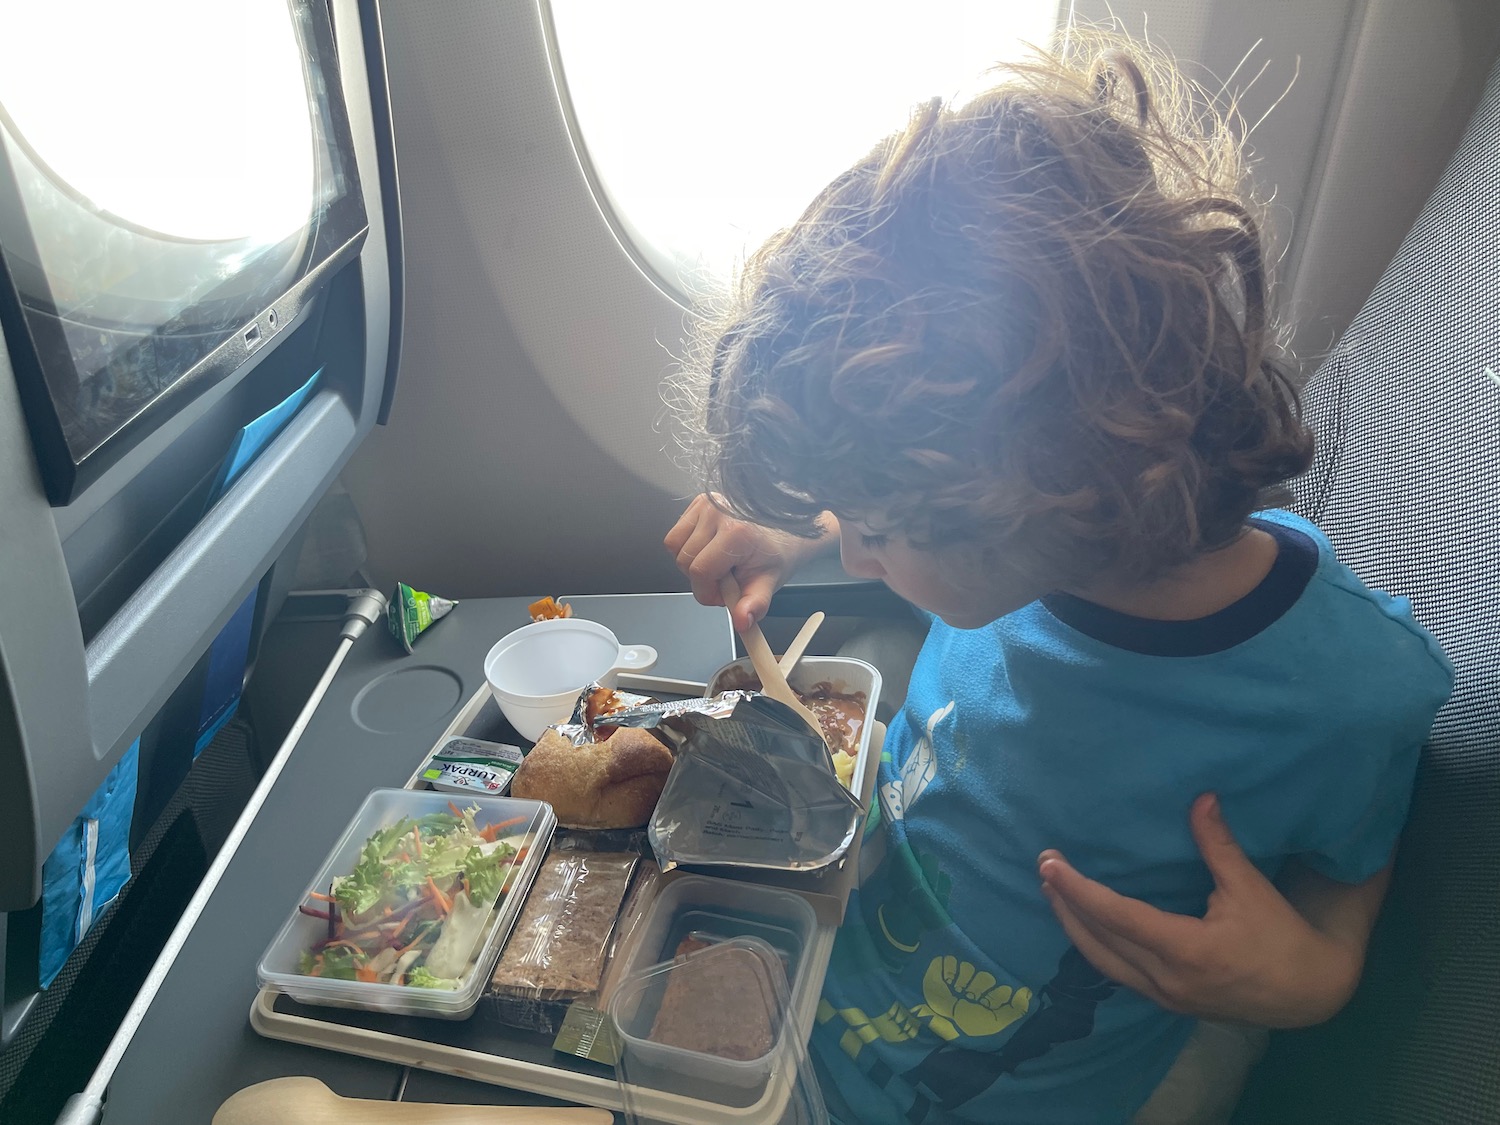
(546, 609)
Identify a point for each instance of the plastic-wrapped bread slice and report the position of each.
(561, 942)
(585, 1030)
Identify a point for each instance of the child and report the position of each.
(1019, 364)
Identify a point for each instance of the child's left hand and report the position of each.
(1252, 957)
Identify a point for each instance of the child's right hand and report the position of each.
(708, 544)
(1257, 956)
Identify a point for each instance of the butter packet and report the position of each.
(471, 765)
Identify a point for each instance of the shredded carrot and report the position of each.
(456, 813)
(321, 897)
(417, 836)
(491, 832)
(442, 900)
(365, 973)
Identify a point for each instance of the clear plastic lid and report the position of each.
(710, 1037)
(727, 908)
(409, 911)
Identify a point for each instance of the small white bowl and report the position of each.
(537, 671)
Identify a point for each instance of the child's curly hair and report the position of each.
(1037, 323)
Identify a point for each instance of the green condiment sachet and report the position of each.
(409, 612)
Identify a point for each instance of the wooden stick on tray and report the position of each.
(306, 1101)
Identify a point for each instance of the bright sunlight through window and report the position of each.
(153, 112)
(710, 125)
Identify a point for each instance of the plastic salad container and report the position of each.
(715, 1025)
(422, 901)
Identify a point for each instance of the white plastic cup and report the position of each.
(537, 671)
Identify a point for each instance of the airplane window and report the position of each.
(154, 113)
(706, 127)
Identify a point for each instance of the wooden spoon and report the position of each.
(772, 682)
(799, 644)
(306, 1101)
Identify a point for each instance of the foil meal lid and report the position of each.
(594, 711)
(751, 787)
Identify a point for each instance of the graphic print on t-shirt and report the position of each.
(915, 899)
(953, 1074)
(961, 1005)
(918, 771)
(903, 901)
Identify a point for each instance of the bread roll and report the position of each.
(609, 784)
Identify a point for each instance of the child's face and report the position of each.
(945, 581)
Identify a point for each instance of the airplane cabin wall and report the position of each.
(522, 454)
(1414, 75)
(525, 452)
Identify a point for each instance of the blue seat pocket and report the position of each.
(88, 868)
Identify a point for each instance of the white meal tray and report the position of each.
(490, 1053)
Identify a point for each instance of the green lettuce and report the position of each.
(421, 977)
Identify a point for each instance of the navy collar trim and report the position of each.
(1296, 562)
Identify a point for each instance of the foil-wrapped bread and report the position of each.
(610, 784)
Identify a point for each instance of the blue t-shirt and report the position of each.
(953, 993)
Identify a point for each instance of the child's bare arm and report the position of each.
(1343, 913)
(1257, 955)
(708, 544)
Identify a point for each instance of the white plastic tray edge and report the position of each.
(549, 1081)
(537, 1078)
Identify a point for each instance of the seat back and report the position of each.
(1407, 486)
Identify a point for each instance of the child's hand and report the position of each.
(1252, 957)
(708, 544)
